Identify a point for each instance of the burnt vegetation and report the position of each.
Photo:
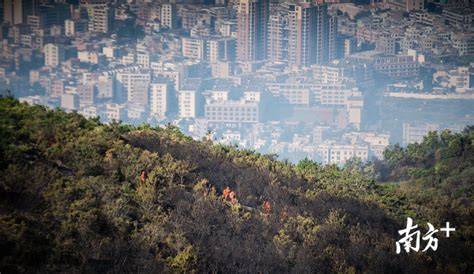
(80, 196)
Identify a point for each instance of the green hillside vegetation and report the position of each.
(72, 199)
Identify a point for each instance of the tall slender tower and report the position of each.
(252, 18)
(322, 34)
(302, 34)
(277, 49)
(332, 38)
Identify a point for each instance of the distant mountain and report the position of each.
(80, 196)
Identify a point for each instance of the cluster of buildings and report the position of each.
(287, 77)
(414, 133)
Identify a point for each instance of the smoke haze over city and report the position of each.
(301, 79)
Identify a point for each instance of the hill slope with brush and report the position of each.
(78, 195)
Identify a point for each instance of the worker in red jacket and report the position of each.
(226, 193)
(266, 206)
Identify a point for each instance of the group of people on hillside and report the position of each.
(230, 196)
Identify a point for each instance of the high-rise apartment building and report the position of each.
(277, 50)
(252, 18)
(312, 35)
(102, 19)
(187, 103)
(53, 14)
(53, 55)
(169, 17)
(193, 47)
(101, 15)
(332, 38)
(133, 86)
(160, 93)
(72, 27)
(209, 48)
(190, 99)
(220, 49)
(13, 11)
(302, 34)
(16, 11)
(232, 112)
(414, 133)
(407, 5)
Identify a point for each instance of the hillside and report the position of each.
(73, 198)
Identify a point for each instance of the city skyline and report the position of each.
(327, 81)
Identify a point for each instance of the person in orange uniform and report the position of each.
(266, 206)
(226, 193)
